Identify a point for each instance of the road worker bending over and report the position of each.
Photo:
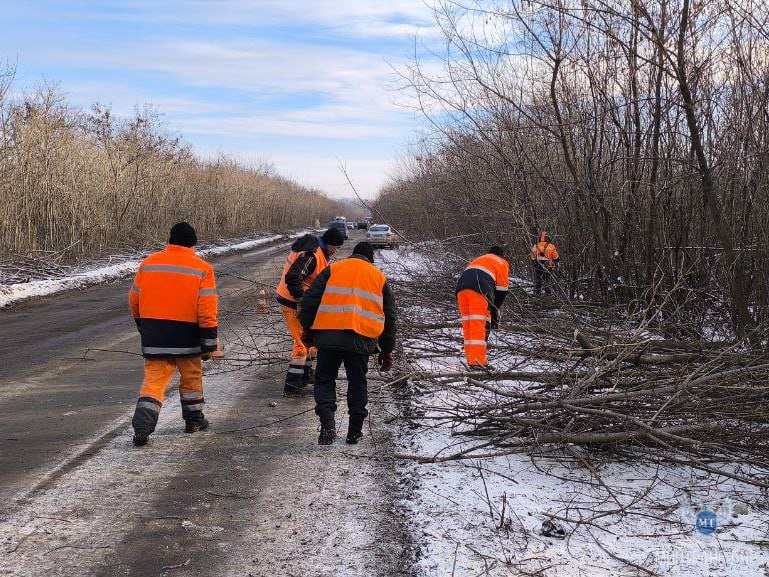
(309, 256)
(173, 301)
(348, 313)
(481, 290)
(544, 258)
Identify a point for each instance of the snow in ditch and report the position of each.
(12, 293)
(485, 517)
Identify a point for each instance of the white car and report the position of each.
(381, 235)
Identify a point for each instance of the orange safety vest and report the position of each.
(321, 262)
(544, 252)
(353, 299)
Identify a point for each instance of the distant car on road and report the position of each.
(341, 226)
(350, 226)
(381, 235)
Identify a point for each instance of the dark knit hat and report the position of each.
(365, 249)
(183, 234)
(333, 236)
(498, 250)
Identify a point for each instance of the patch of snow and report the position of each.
(485, 517)
(12, 293)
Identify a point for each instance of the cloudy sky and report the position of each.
(303, 84)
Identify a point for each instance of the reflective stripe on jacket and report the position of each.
(284, 294)
(545, 253)
(353, 299)
(174, 302)
(488, 275)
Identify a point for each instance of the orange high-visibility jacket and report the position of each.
(173, 300)
(544, 252)
(488, 275)
(353, 299)
(320, 262)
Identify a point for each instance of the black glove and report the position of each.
(307, 338)
(385, 362)
(494, 324)
(205, 357)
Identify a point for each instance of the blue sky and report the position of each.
(303, 84)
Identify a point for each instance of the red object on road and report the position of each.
(218, 353)
(261, 304)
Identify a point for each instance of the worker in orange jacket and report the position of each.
(544, 258)
(481, 290)
(309, 256)
(349, 314)
(174, 303)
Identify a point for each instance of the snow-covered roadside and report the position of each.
(95, 274)
(485, 517)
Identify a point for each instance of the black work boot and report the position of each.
(195, 426)
(354, 431)
(303, 391)
(327, 429)
(141, 438)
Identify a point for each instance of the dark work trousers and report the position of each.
(327, 366)
(542, 277)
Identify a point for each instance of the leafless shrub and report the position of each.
(81, 183)
(636, 132)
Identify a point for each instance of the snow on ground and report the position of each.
(621, 518)
(488, 514)
(94, 274)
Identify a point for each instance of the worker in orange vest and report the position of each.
(349, 314)
(544, 258)
(481, 290)
(174, 303)
(308, 257)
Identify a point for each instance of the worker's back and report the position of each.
(174, 301)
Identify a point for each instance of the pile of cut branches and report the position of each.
(571, 376)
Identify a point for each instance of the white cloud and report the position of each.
(223, 84)
(333, 92)
(354, 19)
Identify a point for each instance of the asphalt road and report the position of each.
(60, 387)
(253, 496)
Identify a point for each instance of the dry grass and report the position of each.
(85, 183)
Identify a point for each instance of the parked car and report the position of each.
(350, 226)
(381, 235)
(363, 224)
(341, 226)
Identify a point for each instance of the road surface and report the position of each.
(255, 495)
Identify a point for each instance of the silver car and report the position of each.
(381, 235)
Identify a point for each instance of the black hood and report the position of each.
(305, 243)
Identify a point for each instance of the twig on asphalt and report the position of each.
(266, 424)
(178, 566)
(232, 495)
(87, 548)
